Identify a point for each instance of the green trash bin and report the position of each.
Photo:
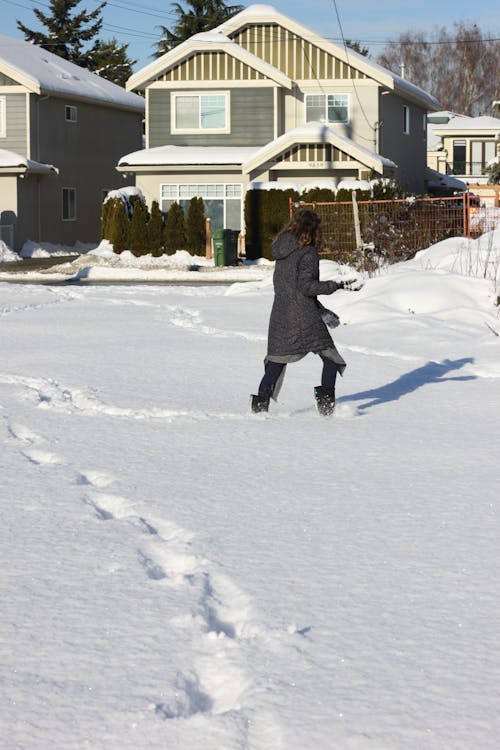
(225, 247)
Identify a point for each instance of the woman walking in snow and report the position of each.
(298, 323)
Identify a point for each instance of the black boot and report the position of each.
(325, 400)
(260, 404)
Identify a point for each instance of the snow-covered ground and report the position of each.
(177, 573)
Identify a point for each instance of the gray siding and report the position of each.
(409, 152)
(16, 139)
(86, 153)
(252, 120)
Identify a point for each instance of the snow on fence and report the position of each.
(371, 233)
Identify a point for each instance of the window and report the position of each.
(482, 152)
(459, 157)
(206, 112)
(222, 202)
(68, 204)
(327, 107)
(71, 113)
(406, 120)
(3, 117)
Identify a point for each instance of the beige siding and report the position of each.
(296, 57)
(212, 66)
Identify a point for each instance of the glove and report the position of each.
(330, 318)
(350, 285)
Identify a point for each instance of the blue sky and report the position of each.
(135, 22)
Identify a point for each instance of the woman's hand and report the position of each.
(350, 285)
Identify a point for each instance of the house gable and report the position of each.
(313, 145)
(300, 58)
(210, 57)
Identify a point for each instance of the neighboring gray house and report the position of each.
(263, 99)
(62, 131)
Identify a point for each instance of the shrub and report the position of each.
(195, 230)
(174, 232)
(118, 225)
(266, 211)
(138, 230)
(155, 230)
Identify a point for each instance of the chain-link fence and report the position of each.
(368, 234)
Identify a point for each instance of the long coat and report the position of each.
(296, 326)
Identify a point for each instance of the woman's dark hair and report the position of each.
(305, 225)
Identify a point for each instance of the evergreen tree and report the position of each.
(155, 230)
(106, 212)
(174, 232)
(69, 33)
(118, 227)
(109, 60)
(357, 47)
(138, 230)
(195, 231)
(201, 15)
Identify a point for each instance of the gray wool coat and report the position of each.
(296, 326)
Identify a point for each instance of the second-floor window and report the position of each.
(200, 112)
(3, 117)
(327, 107)
(406, 120)
(71, 113)
(68, 204)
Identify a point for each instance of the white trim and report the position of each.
(326, 94)
(211, 92)
(12, 89)
(3, 116)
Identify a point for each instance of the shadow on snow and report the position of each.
(431, 372)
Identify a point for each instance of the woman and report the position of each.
(297, 326)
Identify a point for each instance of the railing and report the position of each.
(369, 234)
(462, 168)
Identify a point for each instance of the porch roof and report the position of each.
(12, 163)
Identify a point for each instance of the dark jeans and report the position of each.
(273, 371)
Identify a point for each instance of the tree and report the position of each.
(174, 233)
(461, 69)
(137, 238)
(155, 230)
(118, 222)
(195, 230)
(110, 61)
(201, 15)
(68, 34)
(356, 46)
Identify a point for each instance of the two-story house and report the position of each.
(62, 131)
(263, 99)
(463, 146)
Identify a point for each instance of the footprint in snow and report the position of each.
(41, 457)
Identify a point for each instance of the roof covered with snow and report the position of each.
(42, 72)
(464, 123)
(317, 132)
(11, 160)
(187, 155)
